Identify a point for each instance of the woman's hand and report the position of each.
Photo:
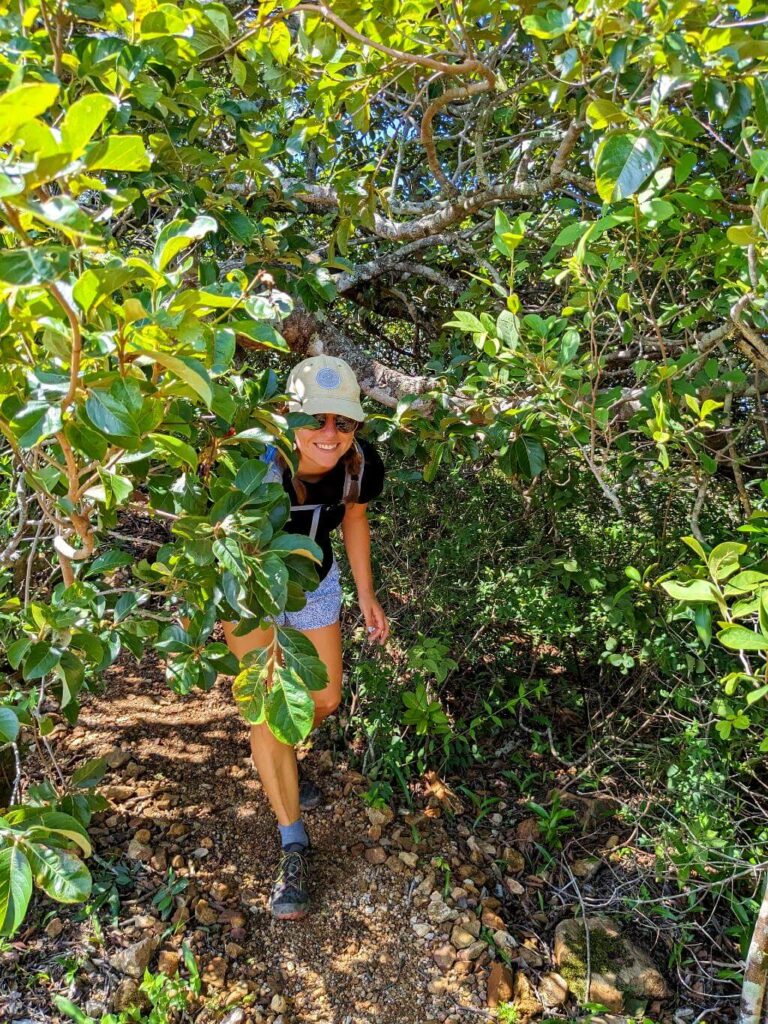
(376, 622)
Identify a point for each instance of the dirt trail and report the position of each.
(183, 763)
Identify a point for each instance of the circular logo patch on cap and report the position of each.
(328, 378)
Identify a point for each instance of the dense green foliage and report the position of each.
(538, 234)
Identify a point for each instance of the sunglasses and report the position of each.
(343, 423)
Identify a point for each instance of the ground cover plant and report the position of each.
(538, 233)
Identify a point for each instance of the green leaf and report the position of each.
(300, 656)
(739, 638)
(179, 235)
(624, 161)
(118, 153)
(723, 560)
(22, 104)
(83, 119)
(250, 476)
(60, 874)
(33, 266)
(551, 25)
(743, 234)
(89, 774)
(290, 709)
(41, 659)
(691, 591)
(189, 370)
(249, 688)
(297, 544)
(176, 448)
(601, 113)
(9, 725)
(15, 885)
(260, 332)
(36, 421)
(123, 413)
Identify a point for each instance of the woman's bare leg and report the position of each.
(275, 761)
(327, 641)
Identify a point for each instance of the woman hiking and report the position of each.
(337, 476)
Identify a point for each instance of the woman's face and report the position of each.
(321, 449)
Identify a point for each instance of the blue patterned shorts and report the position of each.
(322, 608)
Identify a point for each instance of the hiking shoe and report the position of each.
(290, 896)
(310, 795)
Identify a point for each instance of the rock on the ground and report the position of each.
(126, 995)
(524, 997)
(619, 967)
(139, 851)
(553, 990)
(499, 986)
(54, 928)
(444, 956)
(376, 855)
(461, 937)
(168, 962)
(134, 958)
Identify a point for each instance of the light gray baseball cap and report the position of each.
(324, 384)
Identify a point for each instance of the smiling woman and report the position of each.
(337, 476)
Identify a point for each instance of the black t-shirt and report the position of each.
(328, 491)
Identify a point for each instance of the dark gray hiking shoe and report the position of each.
(290, 894)
(310, 795)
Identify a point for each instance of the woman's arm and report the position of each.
(357, 541)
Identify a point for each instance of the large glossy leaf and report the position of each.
(289, 707)
(118, 153)
(33, 266)
(15, 888)
(178, 236)
(9, 725)
(83, 119)
(59, 873)
(300, 656)
(22, 104)
(624, 161)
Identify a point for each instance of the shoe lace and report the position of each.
(291, 870)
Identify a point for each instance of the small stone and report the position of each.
(444, 956)
(233, 950)
(159, 860)
(219, 890)
(503, 939)
(553, 990)
(143, 836)
(491, 919)
(233, 918)
(439, 912)
(586, 867)
(530, 956)
(207, 843)
(461, 937)
(473, 951)
(374, 833)
(126, 995)
(178, 862)
(422, 930)
(380, 815)
(499, 984)
(54, 928)
(409, 859)
(513, 886)
(118, 793)
(215, 972)
(168, 962)
(116, 757)
(177, 830)
(524, 996)
(376, 855)
(236, 1016)
(139, 851)
(134, 958)
(438, 987)
(205, 913)
(279, 1003)
(200, 852)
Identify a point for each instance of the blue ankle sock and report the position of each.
(295, 833)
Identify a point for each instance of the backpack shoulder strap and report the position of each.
(353, 484)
